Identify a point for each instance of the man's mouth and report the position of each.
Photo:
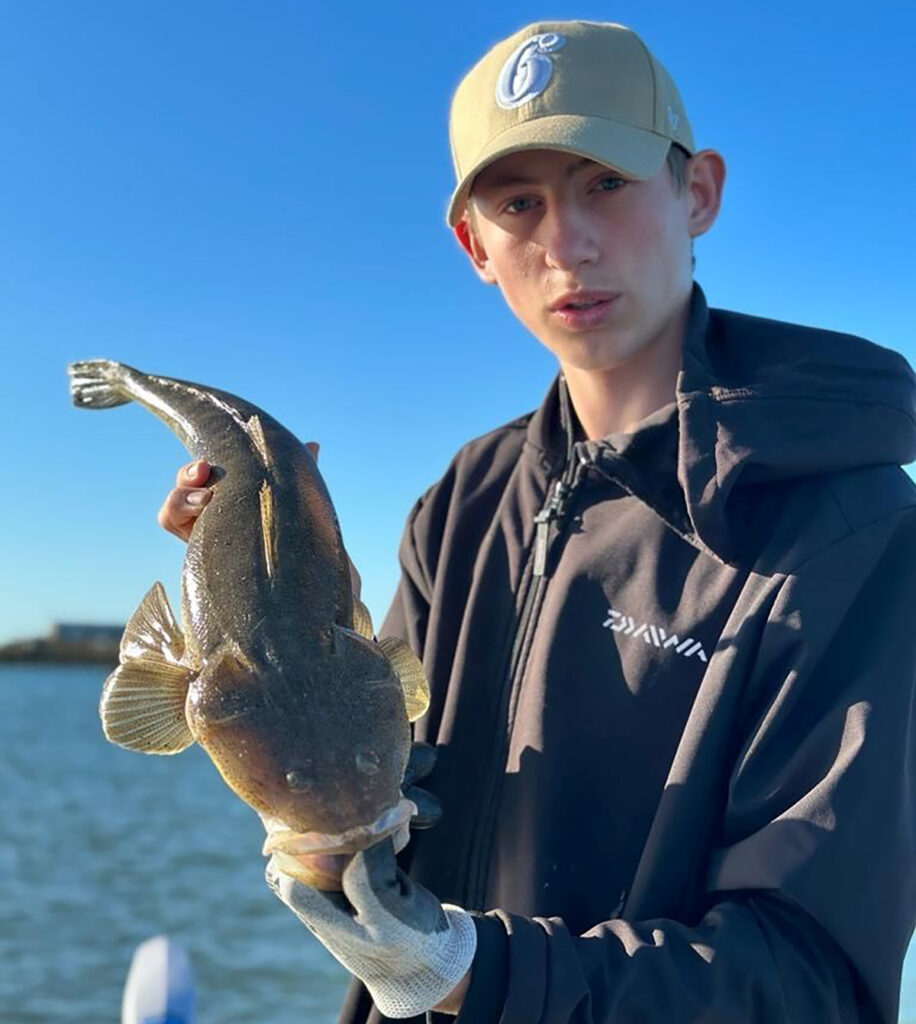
(582, 309)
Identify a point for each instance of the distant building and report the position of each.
(68, 643)
(86, 633)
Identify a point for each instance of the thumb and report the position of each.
(313, 448)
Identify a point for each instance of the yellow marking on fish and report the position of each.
(268, 529)
(255, 431)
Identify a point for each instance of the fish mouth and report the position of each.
(281, 839)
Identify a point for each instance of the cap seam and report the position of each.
(651, 61)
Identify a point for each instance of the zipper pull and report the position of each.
(540, 542)
(551, 511)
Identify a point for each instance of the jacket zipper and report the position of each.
(552, 514)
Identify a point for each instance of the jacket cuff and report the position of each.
(483, 1003)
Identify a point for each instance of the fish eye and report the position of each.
(368, 762)
(299, 780)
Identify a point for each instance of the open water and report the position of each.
(101, 848)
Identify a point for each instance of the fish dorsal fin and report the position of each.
(409, 670)
(142, 705)
(152, 633)
(362, 620)
(255, 430)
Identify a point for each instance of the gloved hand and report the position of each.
(409, 950)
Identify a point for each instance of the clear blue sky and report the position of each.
(252, 195)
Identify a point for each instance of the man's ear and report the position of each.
(705, 181)
(470, 242)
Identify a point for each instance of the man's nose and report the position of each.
(568, 237)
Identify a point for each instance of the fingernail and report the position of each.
(196, 497)
(192, 469)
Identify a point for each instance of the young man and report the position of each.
(667, 618)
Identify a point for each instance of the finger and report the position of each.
(369, 875)
(420, 763)
(181, 508)
(194, 474)
(429, 810)
(381, 894)
(313, 447)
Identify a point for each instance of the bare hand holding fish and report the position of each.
(274, 671)
(185, 502)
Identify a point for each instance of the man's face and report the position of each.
(596, 266)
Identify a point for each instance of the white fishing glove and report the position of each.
(407, 948)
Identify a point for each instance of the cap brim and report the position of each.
(635, 152)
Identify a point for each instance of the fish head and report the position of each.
(318, 742)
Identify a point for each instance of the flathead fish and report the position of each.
(273, 671)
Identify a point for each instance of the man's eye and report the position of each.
(610, 184)
(519, 205)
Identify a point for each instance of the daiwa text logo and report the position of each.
(528, 70)
(626, 625)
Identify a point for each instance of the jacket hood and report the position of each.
(756, 401)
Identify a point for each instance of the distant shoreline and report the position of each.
(60, 652)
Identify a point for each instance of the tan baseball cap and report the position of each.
(586, 88)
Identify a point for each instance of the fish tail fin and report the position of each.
(97, 384)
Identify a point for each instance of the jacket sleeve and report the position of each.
(811, 892)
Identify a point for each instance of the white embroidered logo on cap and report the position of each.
(673, 119)
(527, 72)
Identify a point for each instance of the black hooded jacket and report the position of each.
(673, 678)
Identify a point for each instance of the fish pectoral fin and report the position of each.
(362, 620)
(142, 706)
(153, 634)
(409, 670)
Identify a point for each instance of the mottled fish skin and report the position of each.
(303, 717)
